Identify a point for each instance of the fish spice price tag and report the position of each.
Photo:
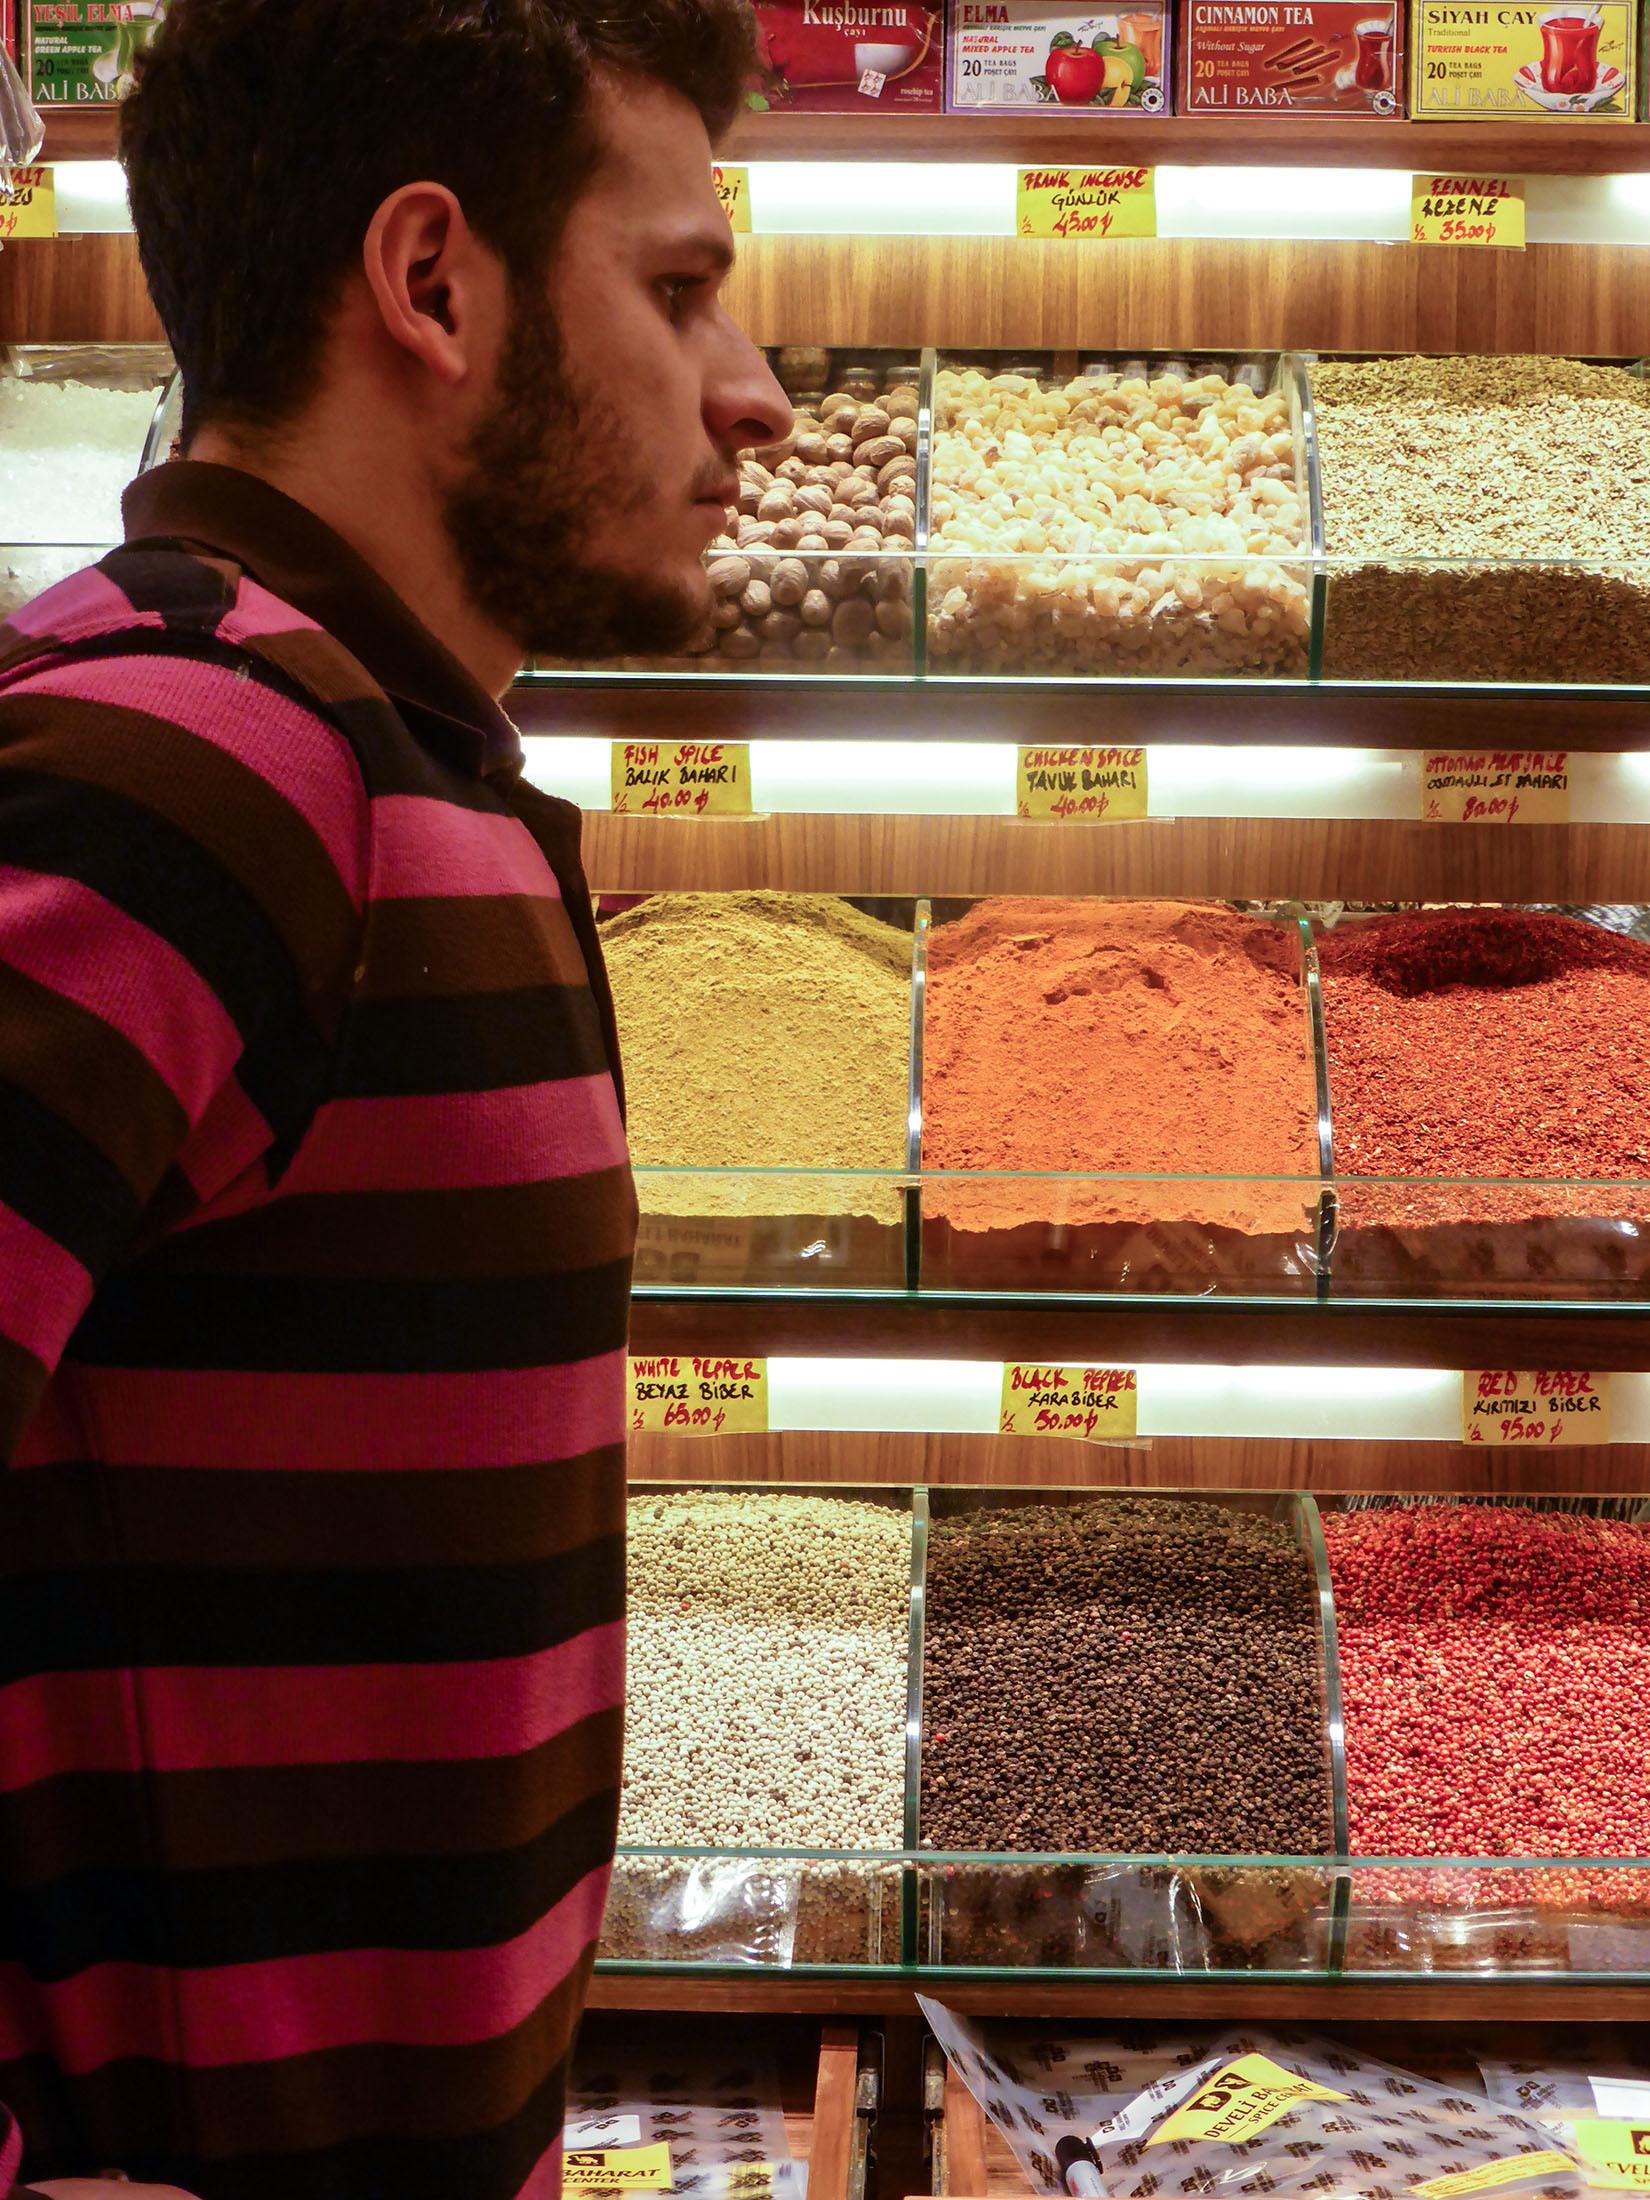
(28, 204)
(1484, 210)
(1537, 1407)
(1615, 2156)
(1496, 787)
(682, 778)
(692, 1397)
(618, 2169)
(1080, 786)
(733, 192)
(1092, 203)
(1093, 1404)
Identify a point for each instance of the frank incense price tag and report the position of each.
(692, 1397)
(625, 2169)
(1615, 2155)
(1496, 787)
(1535, 1407)
(733, 190)
(1080, 786)
(1476, 210)
(682, 778)
(1094, 1404)
(1091, 203)
(28, 204)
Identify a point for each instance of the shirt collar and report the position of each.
(295, 555)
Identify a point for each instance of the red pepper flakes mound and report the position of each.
(1487, 1043)
(1495, 1666)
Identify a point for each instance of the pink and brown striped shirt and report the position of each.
(315, 1238)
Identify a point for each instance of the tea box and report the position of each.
(1012, 56)
(1275, 56)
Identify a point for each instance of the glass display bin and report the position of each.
(77, 422)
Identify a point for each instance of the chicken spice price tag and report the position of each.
(1534, 1407)
(28, 204)
(1092, 203)
(1470, 210)
(1615, 2156)
(682, 778)
(677, 1396)
(1096, 1405)
(1496, 787)
(618, 2169)
(733, 192)
(1080, 786)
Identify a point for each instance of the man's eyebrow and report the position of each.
(713, 245)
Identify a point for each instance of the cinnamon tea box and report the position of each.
(1277, 56)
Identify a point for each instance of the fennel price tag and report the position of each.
(1495, 787)
(733, 192)
(682, 778)
(28, 204)
(1615, 2155)
(679, 1396)
(1534, 1407)
(1483, 210)
(621, 2169)
(1096, 1405)
(1244, 2098)
(1080, 786)
(1511, 2169)
(1085, 203)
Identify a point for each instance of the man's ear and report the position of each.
(425, 269)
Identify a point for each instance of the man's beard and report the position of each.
(539, 465)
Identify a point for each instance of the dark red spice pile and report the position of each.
(1487, 1042)
(1495, 1666)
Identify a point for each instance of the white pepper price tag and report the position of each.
(681, 1396)
(1094, 1404)
(1080, 786)
(1495, 786)
(1534, 1407)
(681, 778)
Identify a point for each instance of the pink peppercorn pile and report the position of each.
(1495, 1673)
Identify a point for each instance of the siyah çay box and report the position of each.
(1012, 56)
(1281, 56)
(1578, 59)
(849, 56)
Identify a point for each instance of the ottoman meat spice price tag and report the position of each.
(1496, 787)
(1080, 786)
(1534, 1407)
(28, 204)
(1091, 203)
(1486, 210)
(691, 1397)
(682, 778)
(1094, 1404)
(619, 2169)
(733, 191)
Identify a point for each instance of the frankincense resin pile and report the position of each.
(1137, 1674)
(768, 1652)
(1506, 458)
(1152, 526)
(1495, 1666)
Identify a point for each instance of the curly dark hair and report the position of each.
(262, 135)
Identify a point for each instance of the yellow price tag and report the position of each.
(28, 204)
(733, 190)
(621, 2169)
(682, 778)
(1080, 786)
(1091, 203)
(1471, 210)
(1097, 1405)
(1239, 2101)
(1495, 786)
(1511, 2169)
(1534, 1407)
(1615, 2155)
(672, 1396)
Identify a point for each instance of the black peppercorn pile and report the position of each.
(1129, 1674)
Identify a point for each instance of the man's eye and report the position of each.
(677, 290)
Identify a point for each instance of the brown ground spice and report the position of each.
(763, 1031)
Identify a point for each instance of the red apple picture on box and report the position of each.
(834, 56)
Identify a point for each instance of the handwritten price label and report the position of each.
(622, 2169)
(1080, 786)
(1094, 1404)
(692, 1397)
(682, 778)
(1467, 210)
(28, 204)
(1085, 203)
(1534, 1407)
(733, 190)
(1496, 787)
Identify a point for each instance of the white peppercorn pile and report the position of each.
(1130, 1674)
(768, 1660)
(1497, 458)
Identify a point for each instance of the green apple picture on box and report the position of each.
(81, 53)
(1013, 56)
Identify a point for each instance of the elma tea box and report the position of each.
(81, 53)
(1009, 56)
(1578, 58)
(1265, 57)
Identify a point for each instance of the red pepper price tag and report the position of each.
(681, 778)
(1495, 787)
(28, 204)
(678, 1396)
(1080, 786)
(1085, 205)
(1535, 1408)
(1097, 1405)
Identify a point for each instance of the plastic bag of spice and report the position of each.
(709, 2127)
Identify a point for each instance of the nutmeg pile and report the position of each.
(805, 576)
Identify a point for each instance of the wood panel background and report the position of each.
(1002, 290)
